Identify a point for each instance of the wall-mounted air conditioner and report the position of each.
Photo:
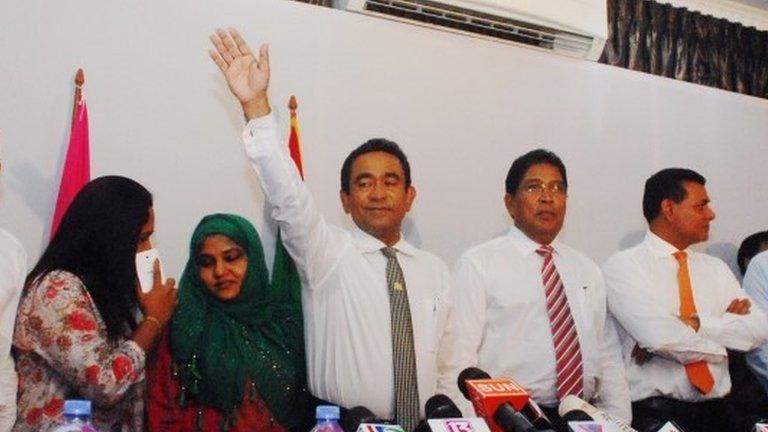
(577, 28)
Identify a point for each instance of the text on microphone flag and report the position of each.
(369, 427)
(585, 426)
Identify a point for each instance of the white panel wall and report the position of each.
(462, 108)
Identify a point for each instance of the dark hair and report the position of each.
(374, 145)
(96, 241)
(667, 184)
(534, 157)
(749, 248)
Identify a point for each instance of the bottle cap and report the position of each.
(327, 412)
(77, 407)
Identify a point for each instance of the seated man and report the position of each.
(679, 310)
(374, 305)
(749, 371)
(533, 308)
(756, 285)
(751, 246)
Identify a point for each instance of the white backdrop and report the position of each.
(462, 108)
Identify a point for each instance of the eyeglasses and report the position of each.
(555, 188)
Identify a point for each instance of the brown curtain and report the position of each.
(674, 42)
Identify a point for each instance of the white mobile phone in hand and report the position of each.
(145, 262)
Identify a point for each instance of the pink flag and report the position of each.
(77, 167)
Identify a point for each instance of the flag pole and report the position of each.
(294, 144)
(77, 165)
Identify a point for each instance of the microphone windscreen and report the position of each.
(576, 415)
(470, 373)
(441, 406)
(355, 416)
(422, 427)
(512, 421)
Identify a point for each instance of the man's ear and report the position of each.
(410, 195)
(668, 208)
(344, 200)
(509, 203)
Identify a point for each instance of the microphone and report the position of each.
(498, 401)
(444, 416)
(470, 373)
(576, 416)
(441, 406)
(487, 394)
(573, 403)
(519, 399)
(510, 420)
(536, 415)
(357, 415)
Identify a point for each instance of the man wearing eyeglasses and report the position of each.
(533, 309)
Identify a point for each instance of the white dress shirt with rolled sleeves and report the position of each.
(13, 269)
(643, 295)
(502, 326)
(345, 295)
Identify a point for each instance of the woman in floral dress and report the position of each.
(77, 335)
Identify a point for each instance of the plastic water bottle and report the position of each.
(327, 419)
(77, 417)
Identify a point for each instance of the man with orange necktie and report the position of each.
(533, 308)
(679, 311)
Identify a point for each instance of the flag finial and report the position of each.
(79, 78)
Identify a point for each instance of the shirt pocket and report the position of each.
(432, 323)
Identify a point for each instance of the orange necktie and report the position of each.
(698, 372)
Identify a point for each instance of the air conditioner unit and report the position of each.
(577, 28)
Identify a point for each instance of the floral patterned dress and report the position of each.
(62, 352)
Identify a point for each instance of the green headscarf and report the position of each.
(217, 345)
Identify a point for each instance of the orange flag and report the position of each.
(293, 141)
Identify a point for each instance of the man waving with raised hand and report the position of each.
(375, 306)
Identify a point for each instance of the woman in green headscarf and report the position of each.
(234, 358)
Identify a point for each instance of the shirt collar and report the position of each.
(660, 247)
(369, 244)
(525, 245)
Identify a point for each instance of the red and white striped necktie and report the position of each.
(570, 373)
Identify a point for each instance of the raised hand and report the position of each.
(160, 302)
(247, 76)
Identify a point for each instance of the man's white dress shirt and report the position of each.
(502, 326)
(345, 295)
(643, 295)
(13, 269)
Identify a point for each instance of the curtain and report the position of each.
(674, 42)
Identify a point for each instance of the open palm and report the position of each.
(247, 76)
